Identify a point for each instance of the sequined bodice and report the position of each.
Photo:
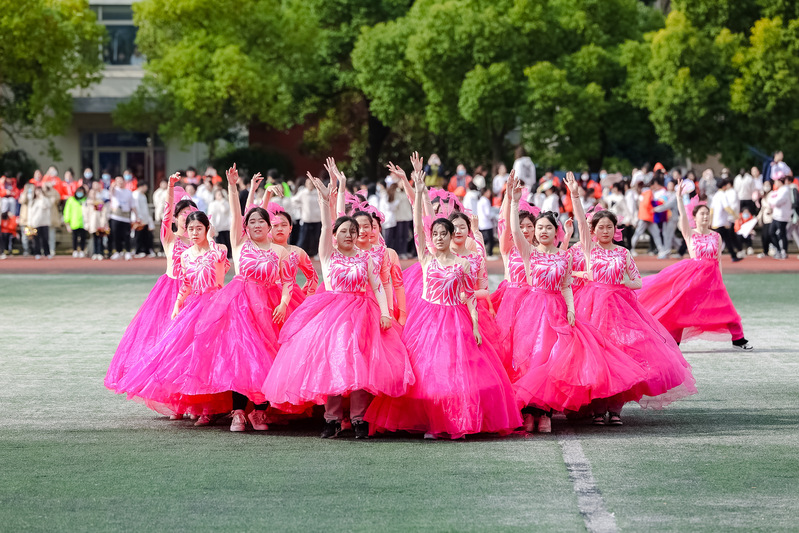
(348, 274)
(706, 246)
(200, 271)
(377, 253)
(578, 263)
(261, 266)
(177, 250)
(549, 271)
(609, 266)
(517, 274)
(293, 264)
(444, 285)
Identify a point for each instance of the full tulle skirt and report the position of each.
(153, 379)
(614, 310)
(414, 284)
(461, 388)
(333, 345)
(690, 300)
(497, 295)
(565, 367)
(146, 328)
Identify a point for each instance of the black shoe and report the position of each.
(332, 429)
(361, 429)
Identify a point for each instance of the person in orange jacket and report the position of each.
(8, 232)
(646, 217)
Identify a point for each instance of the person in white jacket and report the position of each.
(143, 222)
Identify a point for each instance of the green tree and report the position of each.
(48, 48)
(214, 65)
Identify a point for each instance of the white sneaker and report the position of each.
(429, 436)
(38, 257)
(140, 255)
(115, 257)
(75, 253)
(128, 256)
(81, 254)
(750, 251)
(634, 253)
(3, 256)
(151, 255)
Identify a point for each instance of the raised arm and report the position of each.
(272, 190)
(236, 223)
(254, 184)
(398, 173)
(326, 239)
(418, 165)
(568, 231)
(685, 224)
(505, 236)
(418, 220)
(515, 190)
(579, 214)
(167, 235)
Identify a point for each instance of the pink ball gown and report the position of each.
(299, 261)
(563, 367)
(613, 309)
(515, 291)
(461, 388)
(235, 338)
(152, 319)
(151, 380)
(332, 344)
(689, 297)
(578, 265)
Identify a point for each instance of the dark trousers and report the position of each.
(765, 237)
(97, 239)
(144, 241)
(294, 237)
(779, 235)
(7, 241)
(309, 237)
(729, 239)
(223, 237)
(79, 239)
(120, 235)
(240, 402)
(41, 242)
(488, 240)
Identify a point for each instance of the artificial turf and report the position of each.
(73, 456)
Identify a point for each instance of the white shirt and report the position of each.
(744, 186)
(121, 204)
(525, 171)
(632, 198)
(617, 204)
(205, 192)
(499, 181)
(219, 213)
(201, 204)
(470, 201)
(550, 203)
(388, 208)
(721, 218)
(780, 201)
(485, 216)
(307, 200)
(159, 200)
(404, 210)
(142, 209)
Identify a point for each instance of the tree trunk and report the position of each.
(497, 146)
(377, 135)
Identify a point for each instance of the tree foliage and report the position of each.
(47, 49)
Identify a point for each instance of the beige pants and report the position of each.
(359, 403)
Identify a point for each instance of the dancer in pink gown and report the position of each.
(340, 342)
(236, 335)
(689, 297)
(154, 316)
(400, 313)
(610, 305)
(461, 387)
(203, 268)
(563, 364)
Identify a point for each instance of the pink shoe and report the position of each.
(545, 424)
(205, 420)
(176, 417)
(239, 421)
(529, 423)
(258, 420)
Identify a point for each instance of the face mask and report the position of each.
(107, 178)
(603, 175)
(79, 195)
(128, 177)
(88, 174)
(461, 172)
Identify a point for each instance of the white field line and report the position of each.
(589, 500)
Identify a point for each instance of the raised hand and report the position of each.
(514, 186)
(571, 183)
(232, 175)
(396, 171)
(275, 190)
(256, 181)
(417, 162)
(324, 192)
(332, 169)
(418, 178)
(173, 179)
(568, 227)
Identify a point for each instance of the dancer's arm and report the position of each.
(377, 288)
(271, 191)
(236, 222)
(471, 303)
(167, 235)
(632, 278)
(515, 190)
(579, 213)
(398, 286)
(685, 224)
(418, 164)
(568, 231)
(311, 277)
(254, 184)
(505, 237)
(341, 179)
(568, 295)
(398, 173)
(418, 221)
(326, 239)
(286, 282)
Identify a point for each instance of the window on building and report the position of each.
(121, 46)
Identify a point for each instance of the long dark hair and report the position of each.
(180, 206)
(448, 225)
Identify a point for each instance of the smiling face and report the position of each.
(281, 229)
(702, 219)
(197, 233)
(257, 227)
(375, 232)
(441, 237)
(346, 236)
(461, 231)
(545, 231)
(528, 229)
(604, 230)
(364, 229)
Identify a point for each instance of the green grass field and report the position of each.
(75, 457)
